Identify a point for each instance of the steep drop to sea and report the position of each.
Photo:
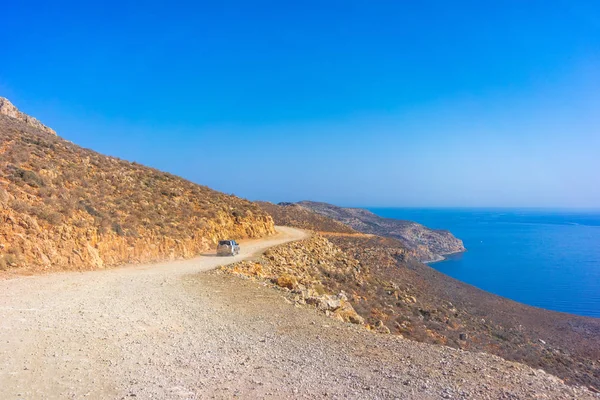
(425, 244)
(544, 258)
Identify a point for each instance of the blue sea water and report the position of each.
(548, 259)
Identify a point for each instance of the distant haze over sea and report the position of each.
(544, 258)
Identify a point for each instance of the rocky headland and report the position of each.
(425, 244)
(292, 214)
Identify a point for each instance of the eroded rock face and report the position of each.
(8, 109)
(30, 246)
(67, 208)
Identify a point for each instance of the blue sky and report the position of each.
(368, 103)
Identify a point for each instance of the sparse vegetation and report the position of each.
(59, 195)
(294, 215)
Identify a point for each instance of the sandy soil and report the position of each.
(168, 331)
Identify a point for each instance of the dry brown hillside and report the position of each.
(292, 214)
(65, 207)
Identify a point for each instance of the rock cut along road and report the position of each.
(166, 331)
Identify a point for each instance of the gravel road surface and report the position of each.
(172, 331)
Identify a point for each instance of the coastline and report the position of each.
(543, 259)
(443, 257)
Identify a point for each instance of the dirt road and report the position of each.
(166, 331)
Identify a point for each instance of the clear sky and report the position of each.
(367, 103)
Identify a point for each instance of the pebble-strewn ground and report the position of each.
(164, 331)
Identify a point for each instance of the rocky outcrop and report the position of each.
(302, 268)
(426, 244)
(67, 208)
(8, 109)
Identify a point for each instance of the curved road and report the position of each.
(164, 331)
(60, 334)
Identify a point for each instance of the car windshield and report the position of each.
(224, 243)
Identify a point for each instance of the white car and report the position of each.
(228, 248)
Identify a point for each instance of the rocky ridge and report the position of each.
(292, 214)
(426, 244)
(8, 109)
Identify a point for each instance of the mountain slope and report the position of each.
(291, 214)
(395, 293)
(65, 207)
(426, 244)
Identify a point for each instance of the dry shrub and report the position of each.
(320, 289)
(7, 261)
(287, 281)
(4, 197)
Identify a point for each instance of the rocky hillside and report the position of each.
(395, 293)
(65, 207)
(372, 281)
(313, 270)
(426, 244)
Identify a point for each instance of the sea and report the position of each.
(544, 258)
